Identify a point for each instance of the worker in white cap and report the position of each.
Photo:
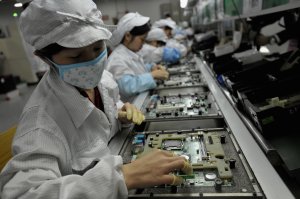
(170, 26)
(155, 51)
(39, 67)
(60, 147)
(127, 66)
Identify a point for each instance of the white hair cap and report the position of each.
(163, 23)
(69, 23)
(126, 24)
(157, 34)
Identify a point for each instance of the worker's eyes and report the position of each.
(75, 56)
(97, 49)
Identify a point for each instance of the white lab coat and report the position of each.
(61, 132)
(173, 43)
(124, 62)
(151, 54)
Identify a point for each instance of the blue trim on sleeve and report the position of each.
(130, 85)
(149, 66)
(171, 55)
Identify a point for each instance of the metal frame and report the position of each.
(266, 175)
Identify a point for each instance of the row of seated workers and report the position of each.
(60, 148)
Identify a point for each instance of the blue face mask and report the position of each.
(85, 75)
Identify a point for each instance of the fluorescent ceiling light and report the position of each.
(18, 5)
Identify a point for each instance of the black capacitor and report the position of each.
(165, 99)
(218, 184)
(157, 134)
(150, 144)
(176, 113)
(179, 95)
(209, 105)
(232, 163)
(223, 139)
(173, 189)
(157, 114)
(181, 109)
(147, 110)
(200, 112)
(151, 138)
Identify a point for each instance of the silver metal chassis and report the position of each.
(269, 180)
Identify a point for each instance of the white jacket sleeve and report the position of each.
(39, 170)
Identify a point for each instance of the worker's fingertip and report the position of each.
(177, 180)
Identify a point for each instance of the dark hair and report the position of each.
(139, 30)
(161, 43)
(50, 50)
(168, 28)
(167, 15)
(25, 5)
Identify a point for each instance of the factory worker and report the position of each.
(155, 51)
(127, 66)
(60, 147)
(169, 26)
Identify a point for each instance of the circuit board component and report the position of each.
(202, 149)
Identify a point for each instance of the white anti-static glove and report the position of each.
(129, 113)
(159, 72)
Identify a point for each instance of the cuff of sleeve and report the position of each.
(120, 104)
(149, 66)
(150, 79)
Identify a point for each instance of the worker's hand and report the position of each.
(158, 67)
(129, 113)
(160, 74)
(262, 40)
(154, 169)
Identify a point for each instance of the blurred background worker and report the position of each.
(155, 50)
(61, 144)
(126, 65)
(169, 26)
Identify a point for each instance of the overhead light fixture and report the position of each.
(183, 3)
(18, 5)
